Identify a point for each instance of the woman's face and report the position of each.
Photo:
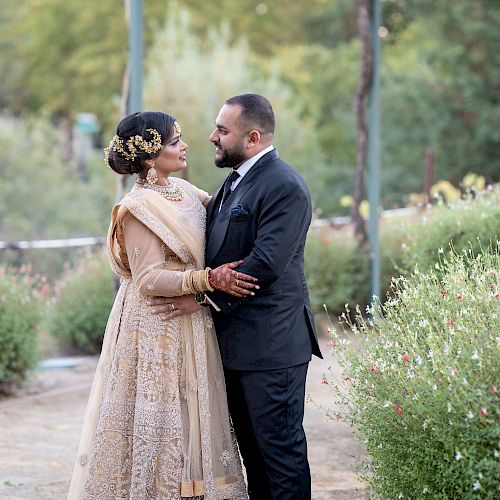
(172, 157)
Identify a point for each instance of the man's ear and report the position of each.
(253, 138)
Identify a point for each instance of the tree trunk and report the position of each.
(121, 180)
(67, 130)
(364, 13)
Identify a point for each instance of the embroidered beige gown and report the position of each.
(157, 425)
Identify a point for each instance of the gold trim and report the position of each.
(197, 488)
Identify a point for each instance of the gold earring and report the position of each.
(152, 175)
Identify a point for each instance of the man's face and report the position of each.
(228, 137)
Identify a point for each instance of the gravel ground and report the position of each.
(40, 431)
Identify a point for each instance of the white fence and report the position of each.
(99, 240)
(70, 242)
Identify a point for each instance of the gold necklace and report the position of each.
(171, 191)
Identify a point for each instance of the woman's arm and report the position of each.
(146, 256)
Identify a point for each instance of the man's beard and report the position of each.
(231, 158)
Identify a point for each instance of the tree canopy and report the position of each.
(440, 78)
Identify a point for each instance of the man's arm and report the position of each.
(282, 226)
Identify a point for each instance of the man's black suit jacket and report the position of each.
(264, 221)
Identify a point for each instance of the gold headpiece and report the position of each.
(133, 144)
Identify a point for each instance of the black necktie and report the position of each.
(227, 185)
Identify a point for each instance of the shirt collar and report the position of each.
(248, 164)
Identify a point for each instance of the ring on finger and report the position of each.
(237, 282)
(237, 276)
(173, 307)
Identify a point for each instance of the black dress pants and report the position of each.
(267, 409)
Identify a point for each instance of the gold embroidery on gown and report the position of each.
(157, 425)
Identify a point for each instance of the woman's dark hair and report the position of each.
(137, 124)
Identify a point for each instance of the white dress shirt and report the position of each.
(244, 168)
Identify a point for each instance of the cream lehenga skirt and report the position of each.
(157, 425)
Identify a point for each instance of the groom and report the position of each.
(261, 214)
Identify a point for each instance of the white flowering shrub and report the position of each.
(20, 297)
(419, 381)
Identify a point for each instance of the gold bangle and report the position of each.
(209, 287)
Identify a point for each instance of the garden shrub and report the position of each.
(81, 309)
(19, 317)
(419, 381)
(336, 270)
(470, 221)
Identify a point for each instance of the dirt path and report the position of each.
(40, 432)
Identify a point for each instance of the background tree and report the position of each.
(439, 80)
(192, 84)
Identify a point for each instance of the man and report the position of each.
(261, 214)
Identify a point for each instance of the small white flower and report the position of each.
(464, 381)
(441, 250)
(449, 408)
(475, 355)
(425, 424)
(387, 404)
(435, 387)
(495, 453)
(480, 476)
(476, 485)
(470, 415)
(400, 495)
(458, 456)
(426, 489)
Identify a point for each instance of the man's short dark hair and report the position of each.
(256, 112)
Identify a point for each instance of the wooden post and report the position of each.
(428, 173)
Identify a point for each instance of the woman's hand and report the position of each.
(171, 307)
(226, 279)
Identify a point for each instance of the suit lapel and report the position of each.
(218, 222)
(214, 202)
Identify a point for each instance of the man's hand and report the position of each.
(172, 307)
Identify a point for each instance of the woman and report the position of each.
(157, 425)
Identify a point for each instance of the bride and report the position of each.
(157, 425)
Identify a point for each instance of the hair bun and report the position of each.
(123, 166)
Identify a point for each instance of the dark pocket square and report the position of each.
(238, 211)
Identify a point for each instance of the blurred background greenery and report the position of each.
(440, 92)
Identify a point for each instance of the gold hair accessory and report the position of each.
(133, 144)
(177, 127)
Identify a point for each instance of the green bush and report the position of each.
(82, 305)
(336, 270)
(19, 317)
(470, 221)
(419, 381)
